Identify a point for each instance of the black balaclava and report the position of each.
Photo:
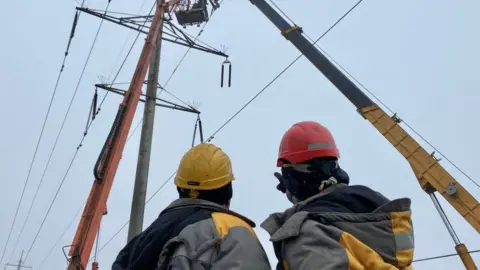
(220, 196)
(302, 181)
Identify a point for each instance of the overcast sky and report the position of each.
(420, 57)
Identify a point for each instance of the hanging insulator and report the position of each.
(230, 75)
(200, 128)
(194, 133)
(74, 25)
(94, 104)
(72, 32)
(226, 62)
(91, 113)
(221, 76)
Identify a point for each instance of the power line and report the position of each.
(76, 152)
(125, 224)
(61, 236)
(126, 40)
(237, 113)
(116, 76)
(51, 204)
(81, 208)
(283, 71)
(445, 256)
(168, 92)
(72, 33)
(59, 133)
(126, 57)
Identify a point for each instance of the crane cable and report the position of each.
(405, 123)
(403, 120)
(211, 137)
(72, 33)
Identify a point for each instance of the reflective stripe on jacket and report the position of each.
(195, 234)
(318, 239)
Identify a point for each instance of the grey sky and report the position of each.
(419, 57)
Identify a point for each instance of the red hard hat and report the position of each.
(304, 141)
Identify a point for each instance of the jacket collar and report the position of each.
(199, 203)
(277, 220)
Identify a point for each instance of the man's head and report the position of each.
(308, 157)
(205, 172)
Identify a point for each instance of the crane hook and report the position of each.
(226, 62)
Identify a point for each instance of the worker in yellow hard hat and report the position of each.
(198, 231)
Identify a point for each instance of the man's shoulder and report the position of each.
(347, 199)
(224, 222)
(367, 192)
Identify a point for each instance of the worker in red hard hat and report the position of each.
(333, 225)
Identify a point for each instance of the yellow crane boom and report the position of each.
(429, 172)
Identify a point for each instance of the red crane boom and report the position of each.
(107, 163)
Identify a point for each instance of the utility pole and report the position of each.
(143, 163)
(20, 265)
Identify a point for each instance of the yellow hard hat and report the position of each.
(204, 167)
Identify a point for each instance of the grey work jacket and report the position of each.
(382, 239)
(224, 241)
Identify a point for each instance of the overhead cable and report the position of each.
(126, 57)
(125, 43)
(62, 67)
(125, 224)
(281, 72)
(65, 175)
(59, 133)
(445, 256)
(61, 236)
(83, 138)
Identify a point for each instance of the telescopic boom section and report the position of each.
(111, 154)
(430, 174)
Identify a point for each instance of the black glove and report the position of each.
(281, 186)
